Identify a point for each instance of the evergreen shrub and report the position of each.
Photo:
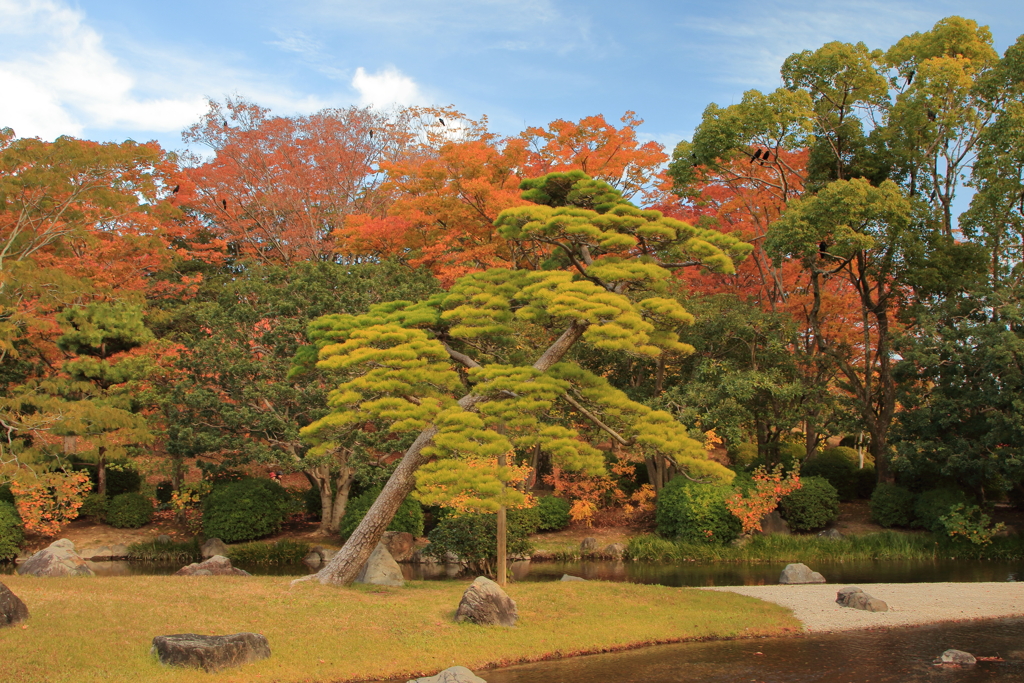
(164, 492)
(553, 513)
(892, 505)
(245, 510)
(838, 466)
(129, 511)
(867, 480)
(409, 516)
(812, 506)
(12, 532)
(743, 455)
(931, 505)
(6, 495)
(473, 536)
(695, 512)
(95, 506)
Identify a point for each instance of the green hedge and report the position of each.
(693, 512)
(11, 531)
(931, 505)
(129, 511)
(553, 513)
(408, 517)
(95, 506)
(892, 505)
(838, 466)
(245, 510)
(812, 506)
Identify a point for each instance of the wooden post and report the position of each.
(502, 536)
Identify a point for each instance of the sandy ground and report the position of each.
(910, 604)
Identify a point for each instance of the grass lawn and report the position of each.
(100, 629)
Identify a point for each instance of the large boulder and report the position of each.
(774, 524)
(800, 573)
(588, 546)
(381, 569)
(615, 551)
(831, 534)
(59, 559)
(210, 653)
(12, 609)
(854, 597)
(570, 577)
(213, 546)
(218, 565)
(401, 545)
(455, 674)
(957, 657)
(318, 557)
(485, 603)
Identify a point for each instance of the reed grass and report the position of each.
(151, 551)
(277, 553)
(100, 629)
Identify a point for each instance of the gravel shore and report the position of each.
(910, 604)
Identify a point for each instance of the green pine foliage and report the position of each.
(245, 510)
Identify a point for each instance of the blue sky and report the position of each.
(117, 69)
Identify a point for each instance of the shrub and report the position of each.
(122, 477)
(786, 453)
(473, 537)
(892, 505)
(95, 506)
(812, 506)
(408, 517)
(867, 480)
(129, 511)
(245, 510)
(967, 523)
(164, 493)
(553, 513)
(695, 512)
(838, 467)
(932, 505)
(743, 455)
(6, 495)
(11, 531)
(49, 501)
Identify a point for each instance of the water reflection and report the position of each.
(894, 656)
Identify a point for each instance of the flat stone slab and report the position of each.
(910, 604)
(12, 609)
(210, 653)
(455, 674)
(570, 577)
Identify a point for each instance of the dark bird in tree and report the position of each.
(175, 190)
(224, 203)
(371, 133)
(225, 122)
(442, 122)
(823, 249)
(931, 115)
(757, 155)
(910, 77)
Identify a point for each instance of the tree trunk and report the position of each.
(502, 536)
(101, 473)
(344, 567)
(333, 492)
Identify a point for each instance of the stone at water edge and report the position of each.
(570, 577)
(455, 674)
(59, 559)
(485, 603)
(213, 546)
(774, 524)
(588, 546)
(218, 565)
(400, 544)
(119, 552)
(381, 569)
(100, 554)
(210, 653)
(831, 534)
(615, 551)
(12, 609)
(854, 597)
(800, 573)
(163, 539)
(957, 657)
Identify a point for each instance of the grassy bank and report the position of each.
(84, 630)
(888, 545)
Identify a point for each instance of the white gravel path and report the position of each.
(910, 604)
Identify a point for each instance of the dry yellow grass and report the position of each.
(100, 629)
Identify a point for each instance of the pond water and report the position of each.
(894, 656)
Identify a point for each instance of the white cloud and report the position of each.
(388, 86)
(58, 78)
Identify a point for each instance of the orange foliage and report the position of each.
(48, 502)
(769, 489)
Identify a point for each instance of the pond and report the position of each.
(894, 656)
(683, 574)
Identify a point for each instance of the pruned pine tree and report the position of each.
(483, 369)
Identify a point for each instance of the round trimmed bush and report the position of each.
(129, 511)
(933, 504)
(6, 495)
(11, 531)
(867, 480)
(245, 510)
(696, 513)
(892, 505)
(743, 455)
(838, 466)
(473, 537)
(553, 513)
(95, 506)
(408, 517)
(812, 506)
